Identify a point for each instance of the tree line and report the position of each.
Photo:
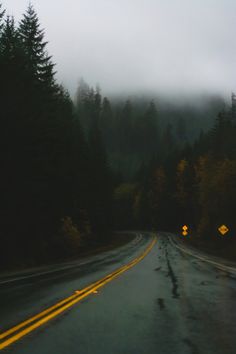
(192, 185)
(167, 177)
(55, 184)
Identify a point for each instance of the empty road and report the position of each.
(145, 297)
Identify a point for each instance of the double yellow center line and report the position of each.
(22, 329)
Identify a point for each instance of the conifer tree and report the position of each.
(12, 69)
(181, 130)
(38, 61)
(168, 141)
(106, 123)
(151, 128)
(125, 127)
(8, 45)
(97, 103)
(100, 182)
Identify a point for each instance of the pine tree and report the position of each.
(8, 48)
(82, 92)
(106, 113)
(8, 36)
(100, 182)
(88, 105)
(12, 69)
(220, 136)
(97, 103)
(181, 130)
(168, 141)
(151, 134)
(106, 123)
(125, 127)
(38, 61)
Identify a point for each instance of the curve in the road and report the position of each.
(22, 329)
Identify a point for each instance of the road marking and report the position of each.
(223, 267)
(43, 317)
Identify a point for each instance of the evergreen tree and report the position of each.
(9, 44)
(88, 105)
(168, 143)
(106, 123)
(222, 136)
(181, 130)
(82, 91)
(185, 192)
(100, 183)
(39, 62)
(97, 103)
(125, 127)
(150, 132)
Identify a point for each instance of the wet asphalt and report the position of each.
(168, 303)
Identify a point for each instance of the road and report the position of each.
(167, 302)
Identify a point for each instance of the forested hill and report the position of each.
(72, 172)
(177, 164)
(139, 128)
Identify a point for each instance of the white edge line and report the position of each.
(218, 265)
(9, 281)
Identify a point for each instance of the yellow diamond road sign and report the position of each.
(223, 229)
(185, 230)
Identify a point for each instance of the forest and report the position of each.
(75, 169)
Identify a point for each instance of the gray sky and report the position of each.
(176, 46)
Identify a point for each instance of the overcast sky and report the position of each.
(174, 46)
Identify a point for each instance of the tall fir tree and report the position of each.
(106, 123)
(39, 62)
(100, 182)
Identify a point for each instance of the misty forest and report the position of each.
(76, 170)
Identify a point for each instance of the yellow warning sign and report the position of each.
(223, 229)
(185, 230)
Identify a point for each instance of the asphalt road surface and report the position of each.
(145, 298)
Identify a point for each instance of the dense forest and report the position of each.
(56, 186)
(169, 174)
(72, 171)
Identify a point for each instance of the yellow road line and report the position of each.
(53, 311)
(50, 309)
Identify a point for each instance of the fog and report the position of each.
(171, 47)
